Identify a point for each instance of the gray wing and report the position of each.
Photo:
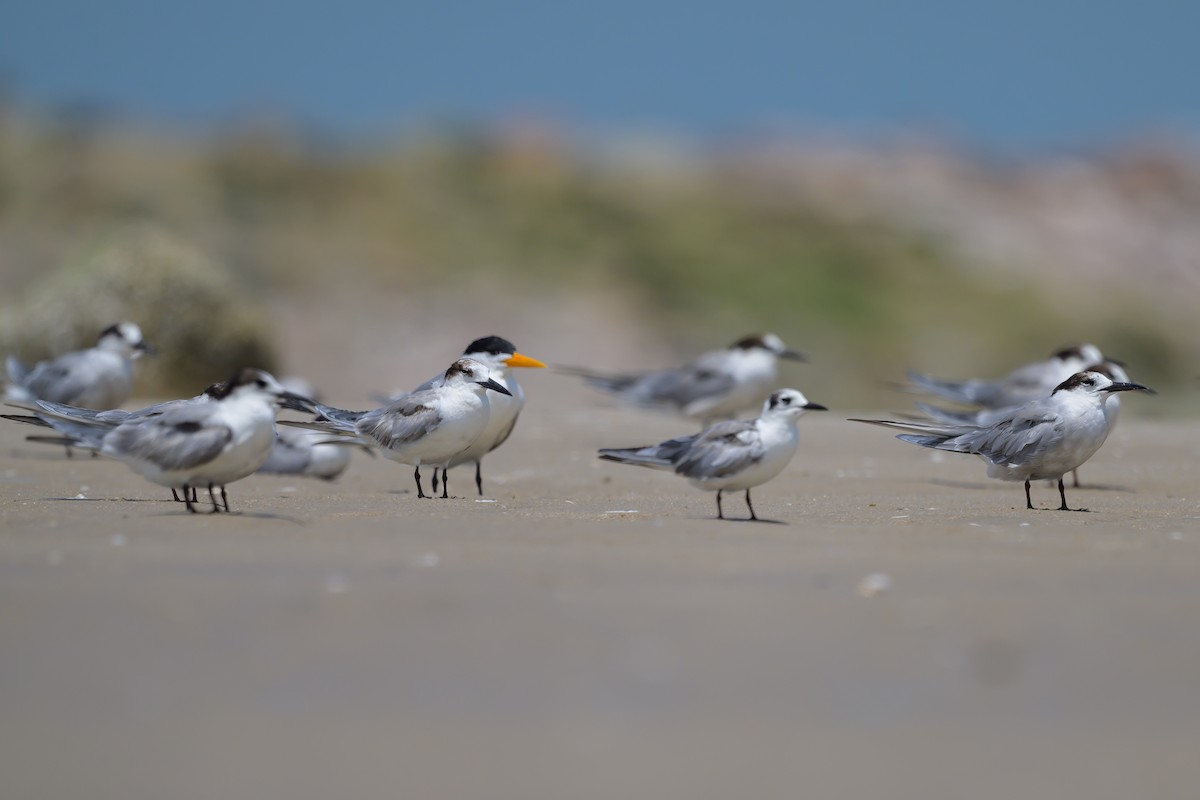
(981, 417)
(86, 416)
(180, 439)
(291, 453)
(673, 387)
(334, 421)
(723, 449)
(404, 421)
(660, 456)
(1016, 440)
(681, 387)
(968, 392)
(62, 379)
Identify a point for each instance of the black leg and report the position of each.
(195, 498)
(417, 476)
(720, 513)
(752, 516)
(445, 484)
(435, 479)
(189, 499)
(479, 477)
(1062, 492)
(1028, 502)
(213, 498)
(224, 498)
(175, 494)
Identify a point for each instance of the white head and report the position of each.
(499, 354)
(124, 338)
(1096, 384)
(767, 342)
(789, 404)
(473, 373)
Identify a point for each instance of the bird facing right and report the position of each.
(714, 386)
(100, 377)
(425, 428)
(210, 440)
(498, 355)
(1030, 382)
(733, 455)
(1040, 440)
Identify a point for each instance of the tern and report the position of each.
(499, 355)
(732, 455)
(990, 416)
(211, 440)
(1030, 382)
(100, 377)
(1040, 440)
(430, 427)
(715, 386)
(79, 426)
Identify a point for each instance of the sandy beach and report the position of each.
(907, 630)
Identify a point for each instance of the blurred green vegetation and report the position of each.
(186, 305)
(705, 251)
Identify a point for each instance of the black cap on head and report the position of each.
(493, 345)
(1075, 381)
(749, 343)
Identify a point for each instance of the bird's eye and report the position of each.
(786, 400)
(1088, 382)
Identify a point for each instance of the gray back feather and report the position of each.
(723, 449)
(1027, 433)
(176, 440)
(404, 421)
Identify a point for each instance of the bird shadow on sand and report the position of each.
(208, 512)
(1100, 487)
(760, 520)
(965, 484)
(1001, 485)
(81, 457)
(101, 499)
(181, 511)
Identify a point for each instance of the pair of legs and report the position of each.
(720, 513)
(446, 482)
(189, 497)
(1062, 493)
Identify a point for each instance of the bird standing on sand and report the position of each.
(430, 427)
(1040, 440)
(211, 440)
(732, 455)
(499, 355)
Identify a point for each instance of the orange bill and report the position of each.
(519, 360)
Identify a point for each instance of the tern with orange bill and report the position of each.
(500, 355)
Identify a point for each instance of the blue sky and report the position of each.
(1024, 74)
